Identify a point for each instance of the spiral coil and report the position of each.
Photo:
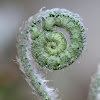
(41, 43)
(49, 46)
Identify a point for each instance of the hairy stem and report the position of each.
(94, 93)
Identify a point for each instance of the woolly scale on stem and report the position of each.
(41, 45)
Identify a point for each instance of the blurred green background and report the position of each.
(72, 82)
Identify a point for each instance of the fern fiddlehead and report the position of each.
(41, 43)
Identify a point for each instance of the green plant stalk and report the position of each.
(39, 44)
(94, 92)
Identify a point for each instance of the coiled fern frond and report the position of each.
(41, 45)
